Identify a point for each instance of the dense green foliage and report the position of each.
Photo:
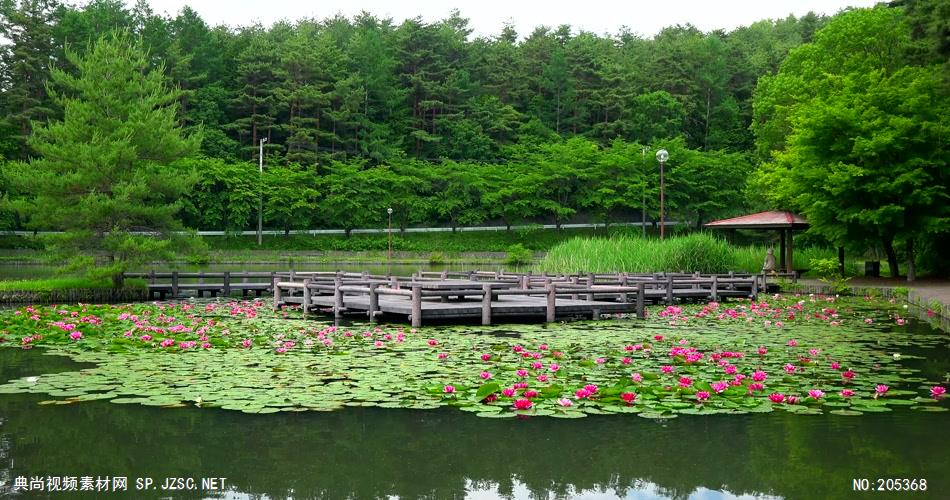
(364, 114)
(854, 127)
(447, 128)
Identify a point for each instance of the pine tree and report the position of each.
(106, 172)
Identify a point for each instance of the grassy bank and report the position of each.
(697, 252)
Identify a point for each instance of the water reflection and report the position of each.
(379, 453)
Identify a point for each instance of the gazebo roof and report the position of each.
(762, 220)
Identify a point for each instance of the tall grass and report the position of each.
(696, 252)
(59, 284)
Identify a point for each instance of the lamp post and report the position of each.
(260, 194)
(389, 211)
(662, 156)
(643, 192)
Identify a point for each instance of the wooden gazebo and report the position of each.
(782, 221)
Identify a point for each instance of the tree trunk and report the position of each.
(888, 244)
(841, 261)
(911, 272)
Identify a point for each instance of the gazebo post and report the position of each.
(781, 250)
(789, 266)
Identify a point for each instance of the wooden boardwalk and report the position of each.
(493, 296)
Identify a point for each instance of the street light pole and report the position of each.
(260, 194)
(390, 232)
(643, 192)
(662, 156)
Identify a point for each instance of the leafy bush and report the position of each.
(827, 272)
(437, 258)
(519, 255)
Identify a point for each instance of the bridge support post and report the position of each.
(486, 304)
(416, 319)
(551, 312)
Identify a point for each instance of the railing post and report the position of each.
(227, 283)
(277, 297)
(669, 290)
(151, 277)
(714, 288)
(306, 297)
(416, 306)
(486, 304)
(574, 281)
(394, 283)
(552, 301)
(373, 301)
(641, 292)
(174, 284)
(337, 296)
(755, 287)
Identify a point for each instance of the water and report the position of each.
(31, 271)
(373, 452)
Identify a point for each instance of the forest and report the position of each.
(357, 115)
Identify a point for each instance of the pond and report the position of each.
(38, 271)
(369, 447)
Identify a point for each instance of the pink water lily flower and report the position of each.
(816, 393)
(685, 382)
(792, 343)
(702, 395)
(777, 397)
(590, 388)
(246, 343)
(719, 386)
(666, 369)
(449, 389)
(846, 393)
(523, 404)
(554, 367)
(443, 355)
(485, 375)
(566, 403)
(432, 342)
(75, 335)
(542, 378)
(636, 377)
(759, 376)
(522, 373)
(849, 374)
(600, 361)
(763, 351)
(508, 392)
(626, 361)
(937, 391)
(629, 397)
(789, 368)
(531, 393)
(486, 357)
(881, 389)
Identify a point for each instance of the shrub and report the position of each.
(519, 255)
